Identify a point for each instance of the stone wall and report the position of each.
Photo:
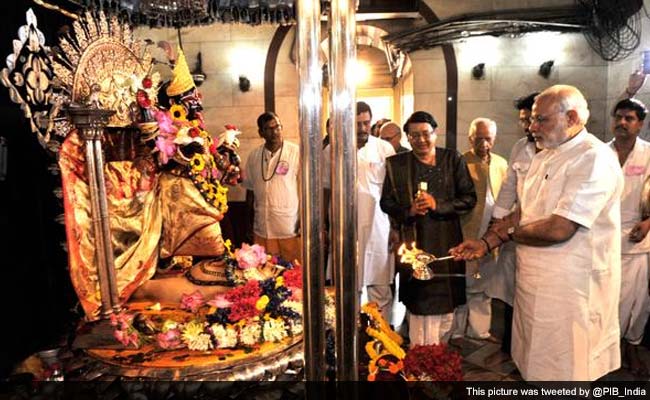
(511, 71)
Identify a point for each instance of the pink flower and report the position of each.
(220, 301)
(123, 319)
(170, 339)
(125, 338)
(250, 256)
(165, 144)
(165, 122)
(192, 301)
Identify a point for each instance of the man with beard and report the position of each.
(634, 157)
(568, 235)
(425, 192)
(272, 190)
(375, 261)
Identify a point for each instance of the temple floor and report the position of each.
(475, 352)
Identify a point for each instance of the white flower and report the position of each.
(226, 337)
(295, 326)
(294, 305)
(250, 334)
(202, 342)
(274, 330)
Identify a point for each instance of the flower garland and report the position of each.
(389, 361)
(253, 312)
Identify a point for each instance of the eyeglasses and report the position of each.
(540, 119)
(426, 135)
(389, 138)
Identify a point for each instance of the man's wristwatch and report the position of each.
(511, 232)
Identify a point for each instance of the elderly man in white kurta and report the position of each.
(375, 260)
(634, 158)
(568, 247)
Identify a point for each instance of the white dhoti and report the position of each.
(634, 306)
(430, 329)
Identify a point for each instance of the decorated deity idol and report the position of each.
(165, 175)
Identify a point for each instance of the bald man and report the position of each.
(568, 237)
(392, 133)
(488, 171)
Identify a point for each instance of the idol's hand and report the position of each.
(469, 250)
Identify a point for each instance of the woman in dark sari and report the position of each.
(425, 192)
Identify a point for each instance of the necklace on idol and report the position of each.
(264, 178)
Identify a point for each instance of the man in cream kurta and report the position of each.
(488, 170)
(568, 247)
(634, 157)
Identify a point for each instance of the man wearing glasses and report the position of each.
(425, 192)
(272, 190)
(568, 235)
(392, 133)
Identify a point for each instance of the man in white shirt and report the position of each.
(568, 247)
(634, 158)
(502, 281)
(376, 264)
(272, 190)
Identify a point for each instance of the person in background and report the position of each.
(634, 157)
(502, 282)
(488, 171)
(272, 190)
(375, 259)
(392, 133)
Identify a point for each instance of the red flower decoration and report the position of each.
(251, 290)
(243, 309)
(194, 132)
(293, 277)
(434, 363)
(146, 83)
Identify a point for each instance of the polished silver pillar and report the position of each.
(344, 194)
(310, 106)
(91, 122)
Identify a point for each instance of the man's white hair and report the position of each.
(492, 126)
(569, 98)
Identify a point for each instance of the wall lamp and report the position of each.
(546, 68)
(244, 83)
(478, 71)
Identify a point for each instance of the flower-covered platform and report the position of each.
(259, 361)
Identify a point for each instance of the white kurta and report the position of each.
(635, 171)
(565, 324)
(376, 262)
(276, 193)
(635, 302)
(502, 283)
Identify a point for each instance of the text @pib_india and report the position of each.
(596, 392)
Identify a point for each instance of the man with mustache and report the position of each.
(568, 236)
(634, 157)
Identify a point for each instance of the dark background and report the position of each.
(37, 297)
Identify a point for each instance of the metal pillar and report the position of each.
(310, 105)
(344, 193)
(91, 122)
